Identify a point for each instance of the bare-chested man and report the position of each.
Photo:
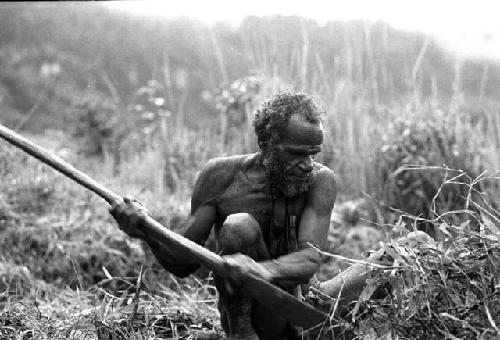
(269, 209)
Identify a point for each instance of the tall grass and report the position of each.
(363, 100)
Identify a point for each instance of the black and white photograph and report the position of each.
(245, 170)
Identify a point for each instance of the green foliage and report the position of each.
(428, 166)
(123, 52)
(235, 104)
(96, 122)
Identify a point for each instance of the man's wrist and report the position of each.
(271, 267)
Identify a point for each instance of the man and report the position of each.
(270, 211)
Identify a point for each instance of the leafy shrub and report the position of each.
(97, 118)
(236, 103)
(427, 167)
(439, 290)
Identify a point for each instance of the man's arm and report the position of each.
(197, 228)
(299, 266)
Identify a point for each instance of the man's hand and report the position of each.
(238, 265)
(129, 214)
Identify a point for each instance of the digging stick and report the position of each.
(273, 297)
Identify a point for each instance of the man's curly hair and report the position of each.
(272, 117)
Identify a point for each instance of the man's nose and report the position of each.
(306, 164)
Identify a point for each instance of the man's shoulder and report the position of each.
(323, 174)
(227, 166)
(217, 175)
(221, 171)
(324, 187)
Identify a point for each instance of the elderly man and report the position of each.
(270, 210)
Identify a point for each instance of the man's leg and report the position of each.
(241, 316)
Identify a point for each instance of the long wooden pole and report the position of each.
(283, 303)
(59, 164)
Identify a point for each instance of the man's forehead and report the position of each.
(303, 132)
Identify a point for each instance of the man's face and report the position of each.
(289, 164)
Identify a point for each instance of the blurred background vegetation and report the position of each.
(141, 104)
(126, 84)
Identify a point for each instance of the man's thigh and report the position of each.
(241, 233)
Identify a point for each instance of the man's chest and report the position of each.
(246, 195)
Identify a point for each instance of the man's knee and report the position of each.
(239, 234)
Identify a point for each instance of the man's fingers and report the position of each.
(129, 214)
(132, 201)
(115, 209)
(129, 206)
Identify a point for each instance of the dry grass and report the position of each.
(438, 290)
(446, 290)
(67, 272)
(32, 308)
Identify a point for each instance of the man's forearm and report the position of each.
(294, 268)
(171, 260)
(349, 284)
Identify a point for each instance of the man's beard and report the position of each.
(276, 173)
